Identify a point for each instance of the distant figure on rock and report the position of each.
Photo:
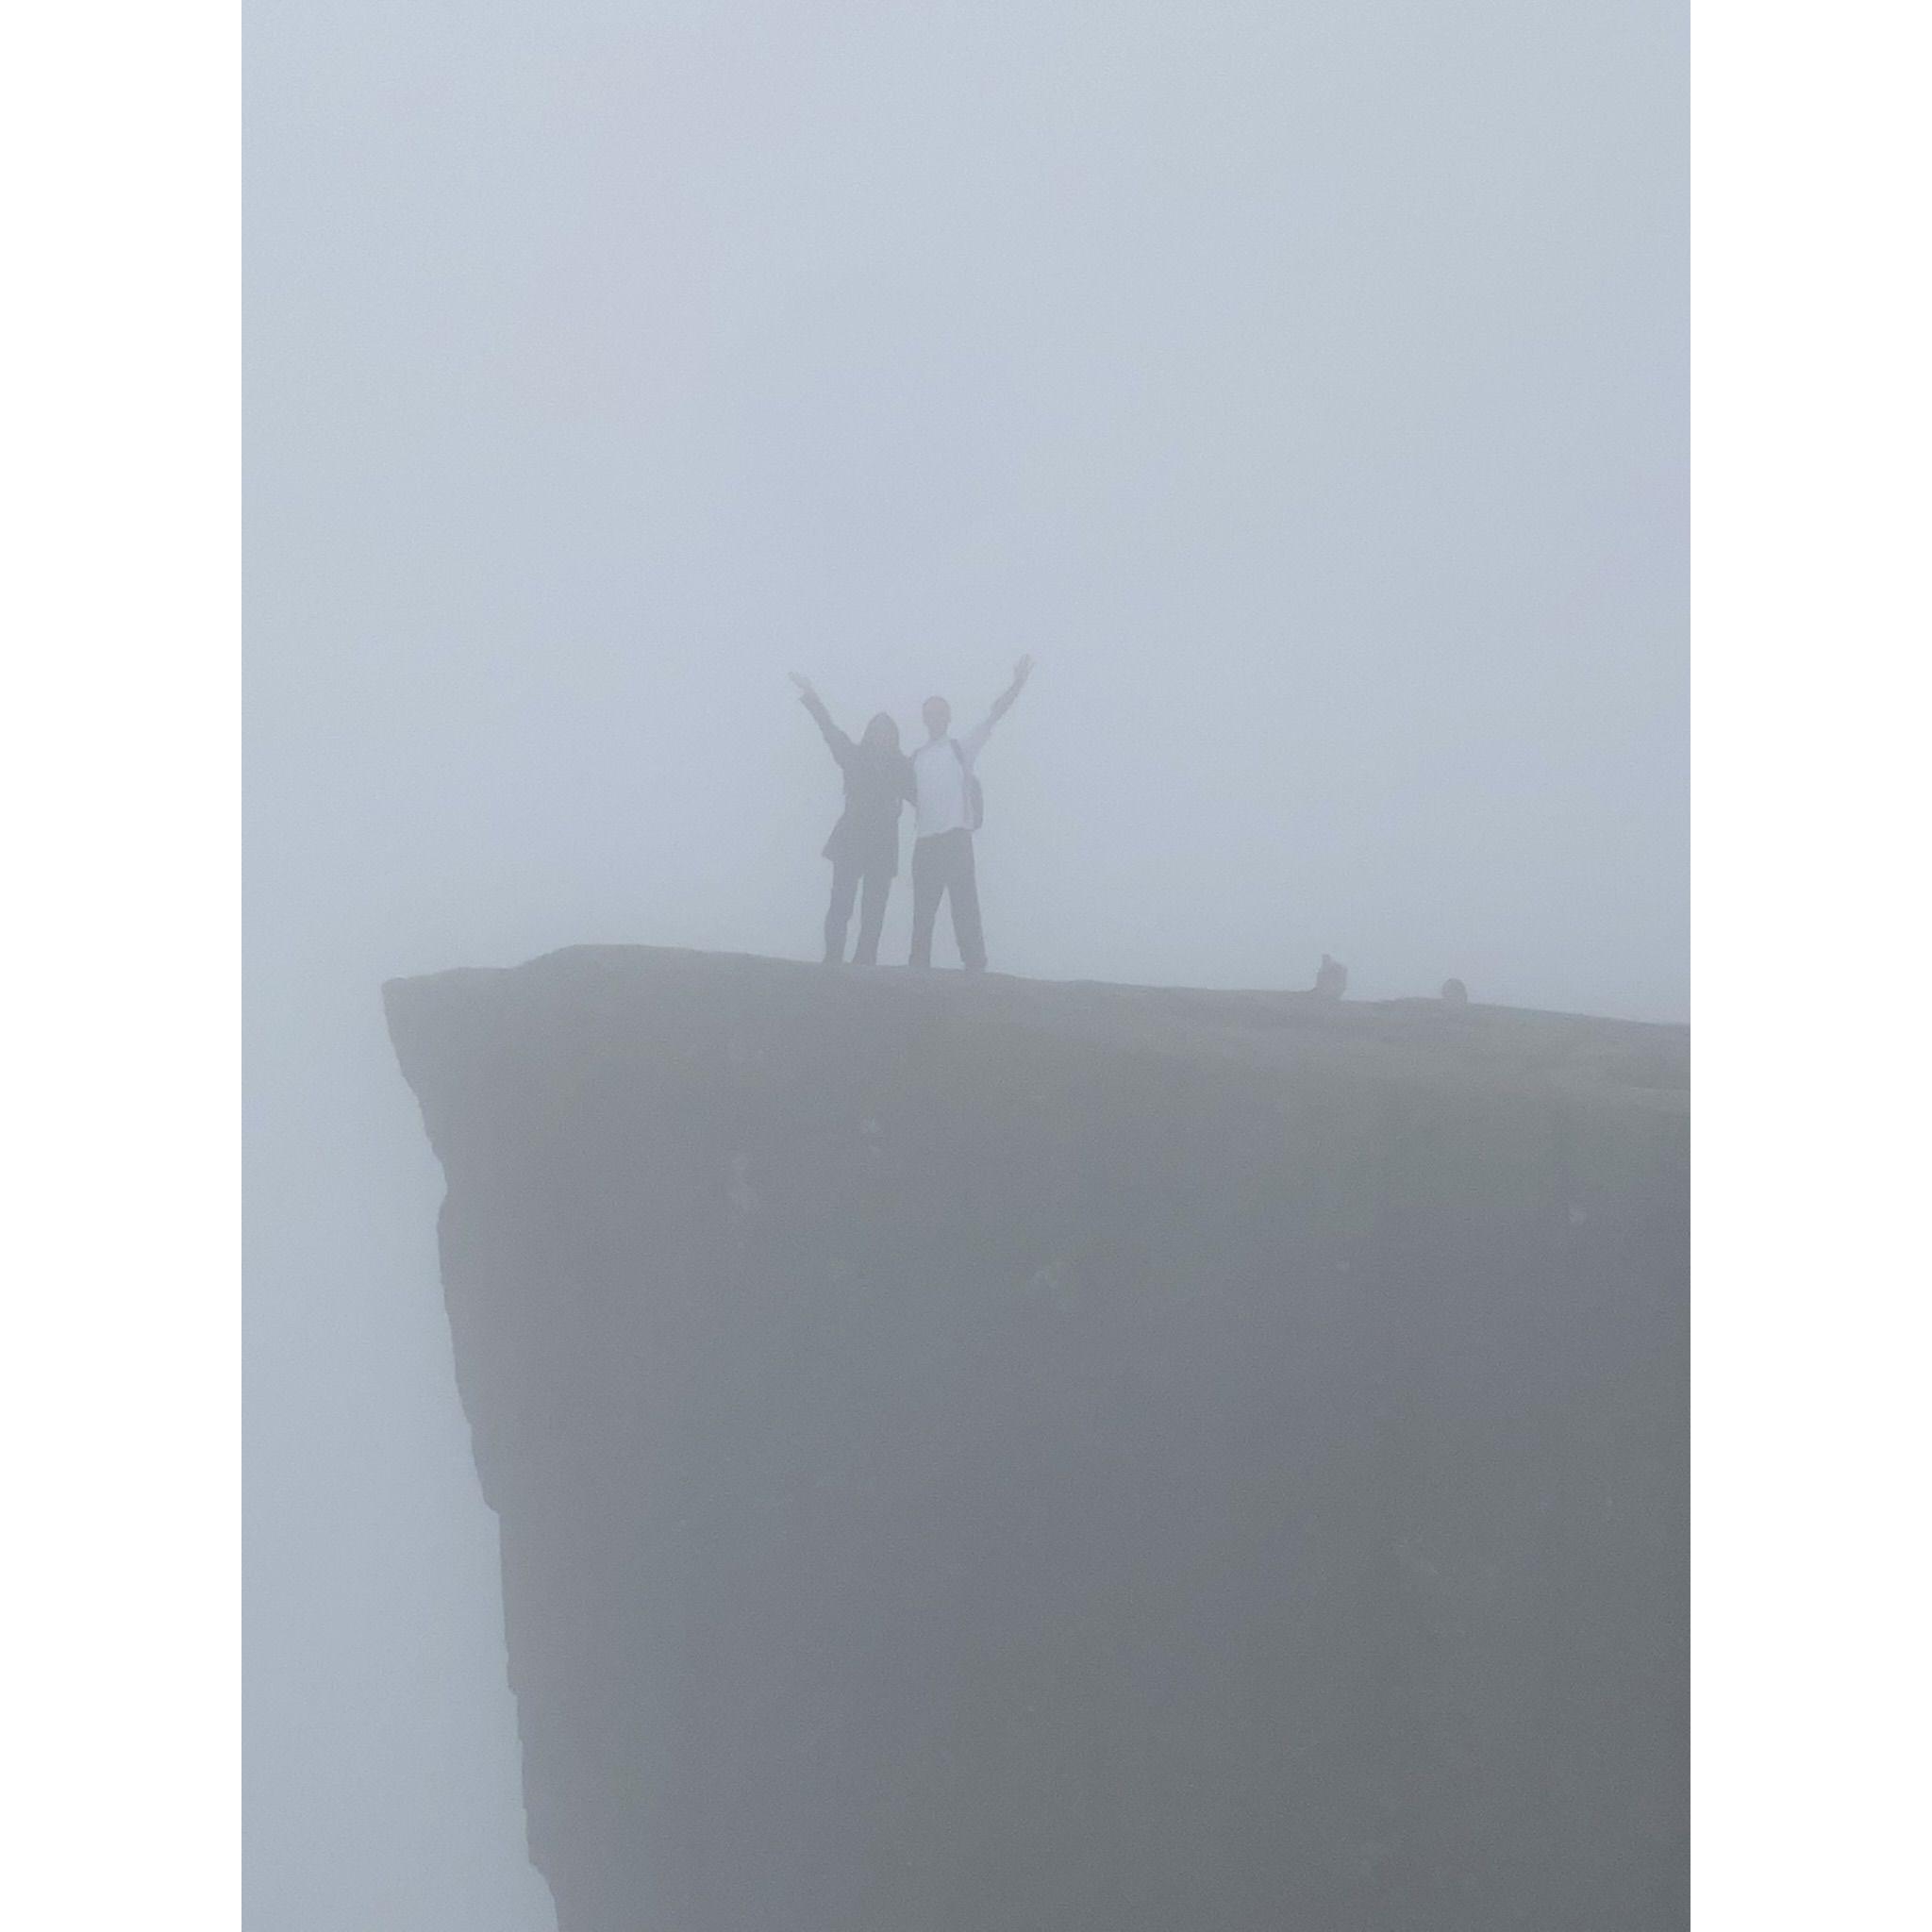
(950, 810)
(1331, 979)
(864, 845)
(1455, 994)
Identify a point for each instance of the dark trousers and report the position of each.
(846, 880)
(942, 868)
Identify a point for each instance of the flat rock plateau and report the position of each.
(976, 1455)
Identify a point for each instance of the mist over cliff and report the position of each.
(978, 1453)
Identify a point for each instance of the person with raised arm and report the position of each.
(864, 845)
(950, 808)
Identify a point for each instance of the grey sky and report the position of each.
(1305, 385)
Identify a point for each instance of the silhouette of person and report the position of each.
(864, 845)
(947, 798)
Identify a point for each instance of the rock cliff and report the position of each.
(977, 1454)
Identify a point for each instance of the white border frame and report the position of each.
(120, 1417)
(1810, 519)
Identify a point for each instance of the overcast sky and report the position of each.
(1303, 385)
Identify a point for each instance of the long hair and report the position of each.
(884, 729)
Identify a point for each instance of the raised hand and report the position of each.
(802, 682)
(1023, 669)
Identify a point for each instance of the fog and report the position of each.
(1304, 388)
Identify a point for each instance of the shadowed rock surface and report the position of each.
(1020, 1458)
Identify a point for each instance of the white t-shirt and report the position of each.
(940, 779)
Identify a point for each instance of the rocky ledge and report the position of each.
(979, 1454)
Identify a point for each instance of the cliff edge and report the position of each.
(979, 1454)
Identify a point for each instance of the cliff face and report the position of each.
(983, 1454)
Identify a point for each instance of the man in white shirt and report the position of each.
(946, 796)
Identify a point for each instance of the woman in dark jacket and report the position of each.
(864, 845)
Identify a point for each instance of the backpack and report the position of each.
(976, 795)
